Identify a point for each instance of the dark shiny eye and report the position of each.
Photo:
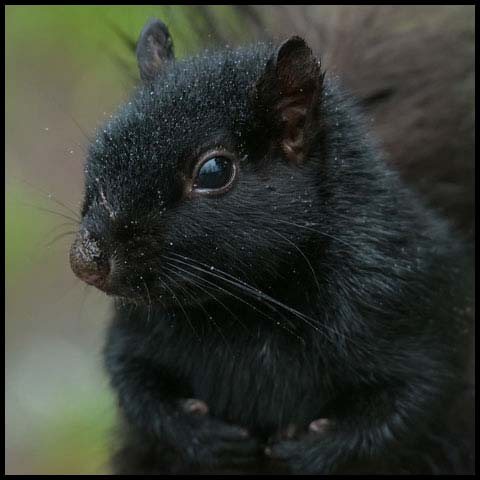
(215, 174)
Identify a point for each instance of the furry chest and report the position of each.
(259, 386)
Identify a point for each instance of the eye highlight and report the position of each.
(214, 173)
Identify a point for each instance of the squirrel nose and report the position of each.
(88, 262)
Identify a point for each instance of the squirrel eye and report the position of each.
(214, 175)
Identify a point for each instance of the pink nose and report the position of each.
(88, 262)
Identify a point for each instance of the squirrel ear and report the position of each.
(286, 95)
(154, 49)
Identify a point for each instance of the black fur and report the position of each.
(319, 289)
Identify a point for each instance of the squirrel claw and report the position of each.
(320, 425)
(195, 406)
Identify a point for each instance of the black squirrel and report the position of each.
(283, 302)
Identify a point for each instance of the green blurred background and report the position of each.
(67, 68)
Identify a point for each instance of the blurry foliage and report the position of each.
(75, 439)
(22, 226)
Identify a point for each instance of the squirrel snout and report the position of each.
(88, 262)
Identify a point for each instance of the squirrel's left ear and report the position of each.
(154, 49)
(286, 96)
